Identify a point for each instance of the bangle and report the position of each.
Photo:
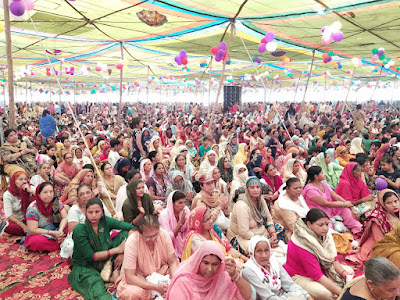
(108, 254)
(48, 231)
(236, 279)
(341, 274)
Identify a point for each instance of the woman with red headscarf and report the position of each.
(106, 152)
(46, 219)
(16, 200)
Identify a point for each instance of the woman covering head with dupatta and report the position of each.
(331, 170)
(380, 221)
(193, 280)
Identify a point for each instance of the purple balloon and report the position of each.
(71, 73)
(328, 58)
(222, 45)
(183, 54)
(269, 37)
(262, 48)
(221, 52)
(88, 68)
(337, 36)
(381, 184)
(381, 52)
(178, 60)
(17, 8)
(218, 57)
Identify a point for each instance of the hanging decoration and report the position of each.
(18, 8)
(221, 53)
(256, 59)
(285, 60)
(332, 33)
(181, 59)
(267, 43)
(203, 63)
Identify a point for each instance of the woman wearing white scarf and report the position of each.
(206, 164)
(266, 274)
(294, 169)
(240, 176)
(290, 206)
(356, 146)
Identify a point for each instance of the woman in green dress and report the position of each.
(93, 248)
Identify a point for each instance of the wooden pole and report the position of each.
(209, 88)
(221, 80)
(377, 82)
(60, 92)
(120, 87)
(297, 87)
(30, 91)
(309, 75)
(7, 32)
(26, 90)
(147, 92)
(348, 91)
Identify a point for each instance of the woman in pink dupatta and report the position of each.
(207, 275)
(147, 251)
(174, 220)
(65, 172)
(272, 179)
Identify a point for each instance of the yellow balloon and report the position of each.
(126, 68)
(126, 62)
(1, 28)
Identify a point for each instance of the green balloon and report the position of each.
(331, 53)
(188, 69)
(382, 57)
(388, 59)
(375, 51)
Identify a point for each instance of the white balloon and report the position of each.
(271, 46)
(391, 63)
(18, 18)
(355, 60)
(336, 26)
(387, 66)
(383, 49)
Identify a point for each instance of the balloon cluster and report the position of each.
(203, 63)
(18, 8)
(328, 56)
(387, 63)
(332, 33)
(285, 60)
(378, 54)
(221, 53)
(122, 64)
(267, 43)
(70, 70)
(356, 62)
(48, 71)
(84, 70)
(337, 65)
(288, 72)
(181, 59)
(186, 68)
(256, 59)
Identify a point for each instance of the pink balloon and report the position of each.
(262, 48)
(337, 36)
(269, 37)
(17, 8)
(375, 57)
(29, 4)
(326, 40)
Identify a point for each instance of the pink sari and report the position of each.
(188, 284)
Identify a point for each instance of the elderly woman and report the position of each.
(294, 169)
(379, 222)
(343, 155)
(138, 204)
(95, 251)
(147, 251)
(319, 195)
(331, 170)
(179, 183)
(209, 161)
(45, 174)
(146, 169)
(290, 206)
(201, 230)
(16, 200)
(174, 220)
(17, 155)
(311, 258)
(381, 281)
(266, 274)
(46, 219)
(207, 274)
(251, 216)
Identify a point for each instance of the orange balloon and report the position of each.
(324, 55)
(283, 57)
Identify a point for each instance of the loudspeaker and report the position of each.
(232, 95)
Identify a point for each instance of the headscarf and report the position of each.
(206, 165)
(332, 171)
(349, 187)
(51, 210)
(234, 148)
(104, 156)
(192, 150)
(146, 139)
(240, 156)
(141, 169)
(381, 217)
(187, 282)
(168, 222)
(240, 178)
(23, 195)
(185, 186)
(226, 177)
(69, 194)
(97, 149)
(121, 163)
(343, 160)
(356, 146)
(323, 248)
(131, 202)
(272, 278)
(277, 182)
(301, 174)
